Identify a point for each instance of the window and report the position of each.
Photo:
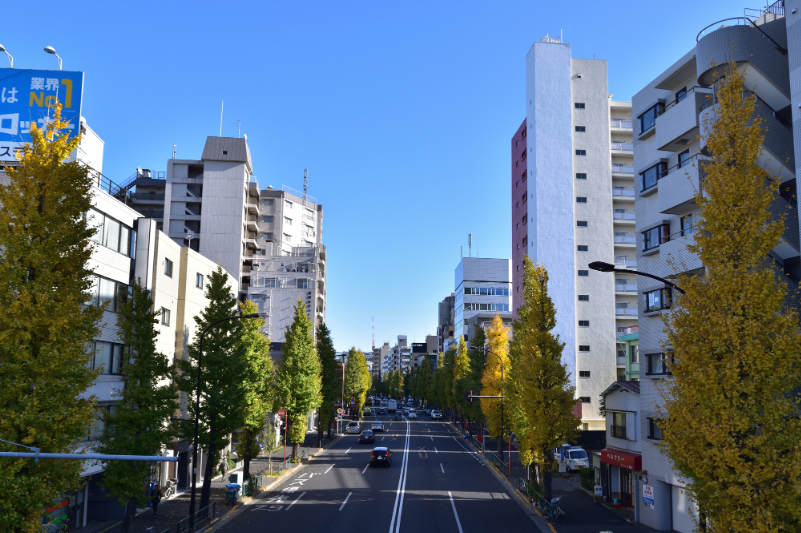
(619, 425)
(584, 297)
(485, 307)
(584, 347)
(308, 244)
(681, 94)
(105, 290)
(648, 119)
(523, 156)
(653, 174)
(654, 431)
(518, 246)
(579, 105)
(581, 223)
(268, 203)
(267, 236)
(584, 399)
(110, 232)
(107, 355)
(518, 268)
(525, 241)
(288, 204)
(581, 152)
(517, 163)
(581, 129)
(581, 175)
(287, 238)
(524, 218)
(584, 373)
(523, 134)
(657, 300)
(686, 225)
(655, 236)
(271, 282)
(523, 176)
(684, 157)
(523, 198)
(287, 221)
(268, 219)
(486, 291)
(634, 353)
(199, 281)
(583, 273)
(518, 225)
(584, 323)
(658, 363)
(165, 316)
(583, 248)
(517, 185)
(581, 199)
(303, 283)
(167, 268)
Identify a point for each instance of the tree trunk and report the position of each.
(246, 458)
(547, 477)
(330, 429)
(538, 474)
(320, 427)
(205, 493)
(295, 451)
(130, 512)
(500, 446)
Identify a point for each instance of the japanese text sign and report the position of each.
(648, 496)
(30, 97)
(621, 459)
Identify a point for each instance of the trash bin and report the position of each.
(233, 478)
(233, 491)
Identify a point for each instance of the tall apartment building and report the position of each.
(482, 289)
(669, 161)
(573, 203)
(445, 323)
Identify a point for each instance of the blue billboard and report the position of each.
(30, 97)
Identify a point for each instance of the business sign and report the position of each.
(619, 458)
(648, 496)
(30, 97)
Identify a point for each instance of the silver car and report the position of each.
(436, 415)
(378, 426)
(353, 427)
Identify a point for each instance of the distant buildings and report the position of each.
(482, 289)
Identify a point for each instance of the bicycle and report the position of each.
(557, 511)
(172, 485)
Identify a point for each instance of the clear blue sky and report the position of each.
(402, 112)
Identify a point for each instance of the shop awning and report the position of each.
(621, 458)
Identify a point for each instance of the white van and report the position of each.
(576, 458)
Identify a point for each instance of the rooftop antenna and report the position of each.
(239, 123)
(469, 245)
(373, 333)
(189, 236)
(222, 106)
(174, 146)
(306, 186)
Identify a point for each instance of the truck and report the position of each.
(392, 406)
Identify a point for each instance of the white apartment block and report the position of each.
(575, 196)
(482, 289)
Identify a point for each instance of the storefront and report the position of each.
(617, 475)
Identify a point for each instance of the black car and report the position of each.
(367, 437)
(382, 411)
(398, 415)
(381, 457)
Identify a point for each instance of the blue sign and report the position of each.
(30, 97)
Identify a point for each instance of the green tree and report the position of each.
(44, 326)
(730, 421)
(494, 382)
(139, 423)
(357, 379)
(539, 392)
(223, 371)
(461, 375)
(330, 380)
(298, 383)
(254, 347)
(477, 364)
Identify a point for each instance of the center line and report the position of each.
(458, 524)
(294, 502)
(329, 468)
(435, 449)
(348, 496)
(432, 438)
(365, 467)
(349, 449)
(443, 469)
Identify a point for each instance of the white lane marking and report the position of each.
(432, 438)
(346, 501)
(365, 467)
(435, 449)
(349, 449)
(458, 524)
(382, 438)
(394, 527)
(329, 468)
(443, 468)
(288, 507)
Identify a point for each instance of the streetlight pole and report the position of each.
(197, 406)
(600, 266)
(503, 380)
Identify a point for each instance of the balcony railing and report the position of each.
(625, 311)
(625, 239)
(615, 123)
(622, 169)
(620, 287)
(146, 196)
(624, 216)
(623, 192)
(680, 99)
(626, 147)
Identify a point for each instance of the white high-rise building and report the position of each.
(573, 203)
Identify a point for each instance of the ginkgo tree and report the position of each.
(493, 381)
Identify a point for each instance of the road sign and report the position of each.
(648, 496)
(282, 413)
(468, 395)
(339, 410)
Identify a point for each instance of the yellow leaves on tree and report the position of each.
(496, 373)
(730, 422)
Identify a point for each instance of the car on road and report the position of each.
(367, 436)
(576, 458)
(428, 412)
(381, 457)
(398, 415)
(382, 411)
(406, 410)
(367, 411)
(412, 414)
(354, 428)
(436, 415)
(378, 426)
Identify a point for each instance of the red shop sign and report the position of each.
(627, 460)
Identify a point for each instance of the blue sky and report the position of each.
(402, 112)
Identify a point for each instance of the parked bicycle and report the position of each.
(557, 511)
(172, 487)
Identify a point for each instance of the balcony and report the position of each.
(677, 125)
(626, 263)
(252, 223)
(621, 124)
(624, 217)
(625, 312)
(622, 169)
(623, 193)
(625, 239)
(147, 197)
(619, 146)
(619, 287)
(678, 187)
(676, 250)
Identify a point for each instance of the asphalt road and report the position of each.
(436, 483)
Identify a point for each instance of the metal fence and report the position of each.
(478, 444)
(499, 463)
(537, 498)
(205, 515)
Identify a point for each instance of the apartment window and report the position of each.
(268, 219)
(658, 363)
(579, 105)
(287, 221)
(581, 199)
(653, 174)
(681, 94)
(524, 218)
(523, 176)
(523, 198)
(584, 297)
(581, 223)
(584, 373)
(167, 268)
(268, 203)
(267, 236)
(165, 316)
(684, 157)
(107, 291)
(583, 273)
(648, 119)
(525, 241)
(517, 143)
(308, 244)
(287, 238)
(288, 204)
(517, 163)
(654, 431)
(303, 283)
(199, 281)
(581, 175)
(518, 268)
(686, 225)
(584, 347)
(655, 236)
(110, 233)
(581, 129)
(518, 225)
(657, 300)
(634, 353)
(581, 152)
(583, 248)
(517, 185)
(518, 246)
(271, 282)
(523, 134)
(584, 399)
(107, 355)
(619, 425)
(584, 323)
(523, 155)
(518, 204)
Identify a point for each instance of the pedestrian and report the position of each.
(155, 499)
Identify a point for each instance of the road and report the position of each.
(436, 483)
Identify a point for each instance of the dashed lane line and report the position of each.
(288, 507)
(348, 497)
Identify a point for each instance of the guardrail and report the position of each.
(478, 444)
(537, 498)
(188, 524)
(499, 463)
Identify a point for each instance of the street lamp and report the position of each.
(10, 59)
(51, 50)
(197, 399)
(600, 266)
(503, 380)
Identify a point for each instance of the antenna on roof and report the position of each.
(373, 333)
(469, 245)
(306, 186)
(173, 150)
(239, 122)
(222, 106)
